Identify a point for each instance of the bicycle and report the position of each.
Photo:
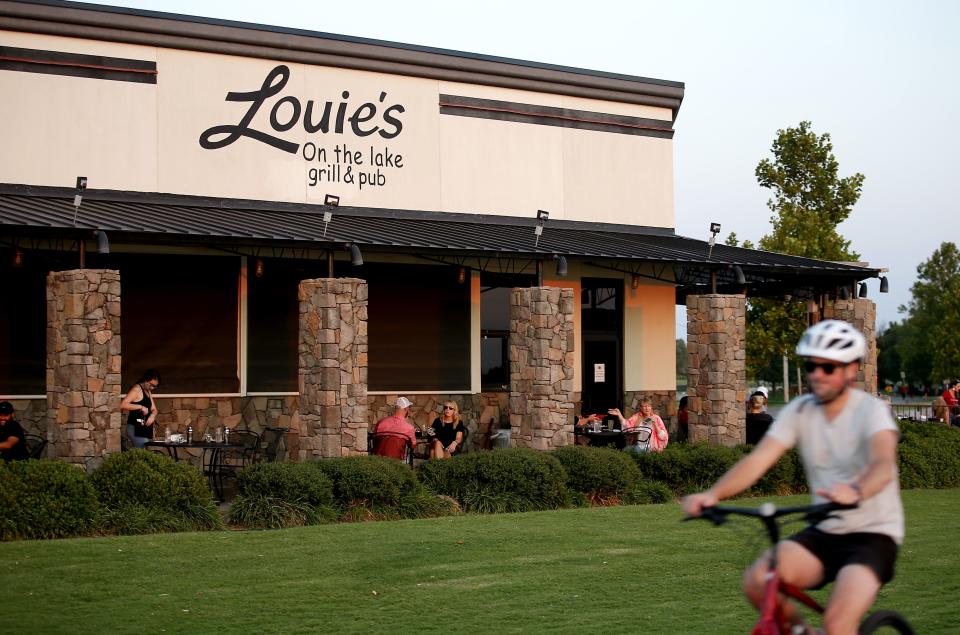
(772, 619)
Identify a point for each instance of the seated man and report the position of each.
(396, 424)
(13, 446)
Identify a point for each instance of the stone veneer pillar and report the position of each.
(541, 367)
(862, 314)
(83, 364)
(716, 368)
(333, 368)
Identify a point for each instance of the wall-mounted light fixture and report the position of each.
(634, 281)
(329, 200)
(462, 275)
(561, 266)
(844, 294)
(258, 268)
(103, 243)
(356, 258)
(884, 285)
(738, 274)
(863, 289)
(542, 217)
(18, 258)
(714, 230)
(78, 197)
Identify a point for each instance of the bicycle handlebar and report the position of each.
(768, 513)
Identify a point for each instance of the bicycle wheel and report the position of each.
(885, 622)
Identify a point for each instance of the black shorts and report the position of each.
(835, 551)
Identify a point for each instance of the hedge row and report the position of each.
(144, 492)
(132, 492)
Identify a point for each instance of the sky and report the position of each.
(879, 76)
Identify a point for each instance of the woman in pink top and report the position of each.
(645, 418)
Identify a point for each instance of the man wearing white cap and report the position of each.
(398, 422)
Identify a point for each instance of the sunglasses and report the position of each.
(826, 367)
(448, 407)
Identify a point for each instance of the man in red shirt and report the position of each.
(398, 422)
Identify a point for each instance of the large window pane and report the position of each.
(419, 328)
(180, 316)
(23, 353)
(273, 322)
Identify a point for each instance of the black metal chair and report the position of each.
(35, 445)
(272, 444)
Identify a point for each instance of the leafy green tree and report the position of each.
(889, 363)
(930, 347)
(681, 357)
(809, 200)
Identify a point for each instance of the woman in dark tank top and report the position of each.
(138, 402)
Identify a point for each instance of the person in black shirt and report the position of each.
(13, 447)
(757, 420)
(448, 432)
(141, 408)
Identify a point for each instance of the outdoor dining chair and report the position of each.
(35, 445)
(393, 445)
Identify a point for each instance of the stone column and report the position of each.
(862, 314)
(83, 364)
(541, 367)
(716, 368)
(333, 368)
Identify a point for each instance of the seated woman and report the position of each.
(635, 427)
(448, 432)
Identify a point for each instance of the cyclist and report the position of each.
(848, 442)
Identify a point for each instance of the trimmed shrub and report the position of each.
(45, 499)
(504, 480)
(275, 495)
(928, 455)
(647, 493)
(145, 492)
(600, 475)
(378, 488)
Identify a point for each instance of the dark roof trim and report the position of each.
(145, 217)
(152, 28)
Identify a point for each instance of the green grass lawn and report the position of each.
(622, 569)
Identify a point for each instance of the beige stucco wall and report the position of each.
(649, 336)
(145, 137)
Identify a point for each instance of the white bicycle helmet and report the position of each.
(833, 339)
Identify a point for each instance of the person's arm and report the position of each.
(9, 443)
(661, 428)
(745, 473)
(131, 396)
(882, 470)
(457, 440)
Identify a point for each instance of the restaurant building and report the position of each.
(296, 227)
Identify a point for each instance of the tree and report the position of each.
(682, 357)
(809, 201)
(930, 344)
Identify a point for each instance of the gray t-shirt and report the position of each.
(838, 451)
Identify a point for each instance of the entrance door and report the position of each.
(601, 375)
(601, 319)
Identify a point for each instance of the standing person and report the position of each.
(143, 411)
(848, 441)
(645, 418)
(448, 432)
(397, 422)
(13, 446)
(951, 395)
(757, 420)
(683, 419)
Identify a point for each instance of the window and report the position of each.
(273, 322)
(23, 334)
(419, 328)
(179, 314)
(495, 328)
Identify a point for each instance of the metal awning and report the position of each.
(483, 242)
